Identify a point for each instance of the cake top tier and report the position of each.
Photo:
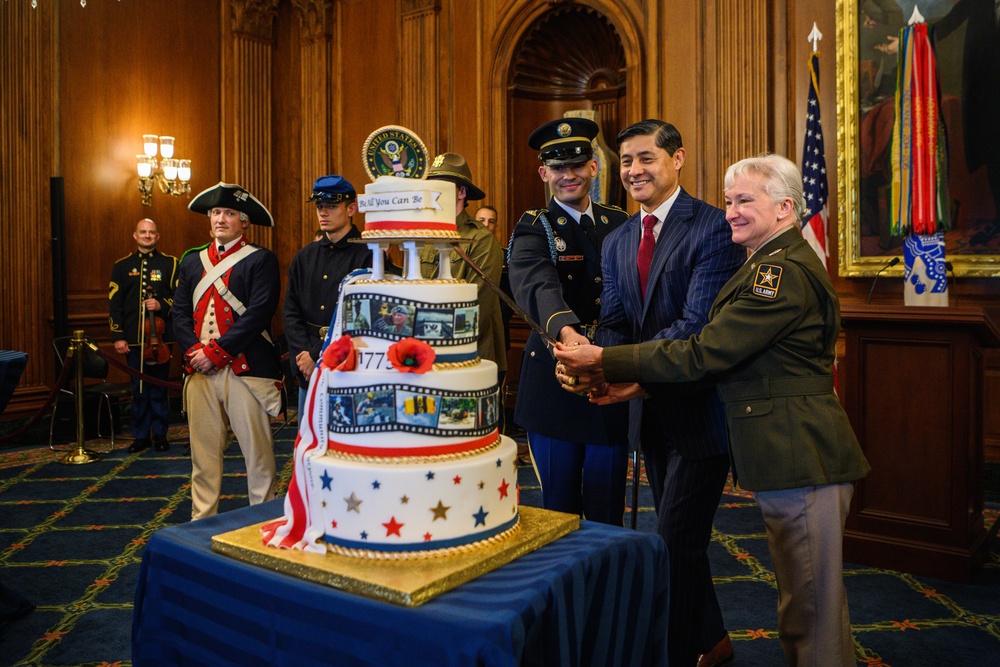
(407, 207)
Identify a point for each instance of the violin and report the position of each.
(155, 351)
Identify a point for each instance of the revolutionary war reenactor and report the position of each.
(227, 293)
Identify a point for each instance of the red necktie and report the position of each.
(645, 257)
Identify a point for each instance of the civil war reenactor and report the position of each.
(315, 274)
(581, 456)
(141, 294)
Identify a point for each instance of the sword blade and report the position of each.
(538, 328)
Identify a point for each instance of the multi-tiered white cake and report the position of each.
(398, 453)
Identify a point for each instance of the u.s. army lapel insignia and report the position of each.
(767, 280)
(560, 244)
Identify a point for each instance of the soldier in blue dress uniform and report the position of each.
(579, 450)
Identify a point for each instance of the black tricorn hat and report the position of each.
(564, 141)
(453, 167)
(236, 197)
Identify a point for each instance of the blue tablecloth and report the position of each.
(597, 596)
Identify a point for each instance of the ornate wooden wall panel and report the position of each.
(737, 104)
(366, 82)
(248, 64)
(26, 153)
(314, 109)
(419, 48)
(158, 77)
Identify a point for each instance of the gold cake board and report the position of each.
(403, 582)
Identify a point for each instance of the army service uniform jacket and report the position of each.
(555, 275)
(770, 344)
(127, 290)
(240, 340)
(313, 288)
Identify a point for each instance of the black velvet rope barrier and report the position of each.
(60, 381)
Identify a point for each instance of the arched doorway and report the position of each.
(569, 58)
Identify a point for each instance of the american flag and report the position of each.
(814, 170)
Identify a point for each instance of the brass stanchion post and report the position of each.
(81, 455)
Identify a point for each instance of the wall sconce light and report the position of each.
(172, 176)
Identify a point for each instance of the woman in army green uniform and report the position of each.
(769, 346)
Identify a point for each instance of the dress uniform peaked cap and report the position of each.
(564, 141)
(236, 197)
(333, 189)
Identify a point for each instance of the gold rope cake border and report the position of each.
(452, 365)
(436, 458)
(489, 542)
(397, 283)
(389, 234)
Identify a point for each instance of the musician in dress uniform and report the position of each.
(769, 346)
(579, 450)
(227, 293)
(143, 279)
(315, 273)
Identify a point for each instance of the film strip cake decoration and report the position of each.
(398, 453)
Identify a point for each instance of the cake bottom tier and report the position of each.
(426, 504)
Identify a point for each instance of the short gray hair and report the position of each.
(781, 178)
(243, 216)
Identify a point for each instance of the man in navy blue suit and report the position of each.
(579, 450)
(662, 270)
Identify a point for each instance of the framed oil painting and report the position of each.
(966, 36)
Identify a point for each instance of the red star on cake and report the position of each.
(503, 488)
(392, 527)
(457, 479)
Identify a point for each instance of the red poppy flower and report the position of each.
(339, 355)
(411, 356)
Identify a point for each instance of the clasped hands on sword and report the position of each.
(579, 370)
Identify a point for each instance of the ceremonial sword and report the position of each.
(546, 336)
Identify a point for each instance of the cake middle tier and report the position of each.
(442, 313)
(373, 413)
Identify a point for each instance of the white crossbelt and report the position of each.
(213, 277)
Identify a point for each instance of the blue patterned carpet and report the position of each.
(71, 539)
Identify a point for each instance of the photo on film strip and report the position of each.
(435, 324)
(467, 322)
(341, 411)
(489, 416)
(458, 413)
(393, 318)
(374, 407)
(357, 315)
(416, 409)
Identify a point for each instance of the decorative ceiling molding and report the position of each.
(316, 17)
(573, 52)
(408, 8)
(254, 18)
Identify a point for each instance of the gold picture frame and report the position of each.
(855, 259)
